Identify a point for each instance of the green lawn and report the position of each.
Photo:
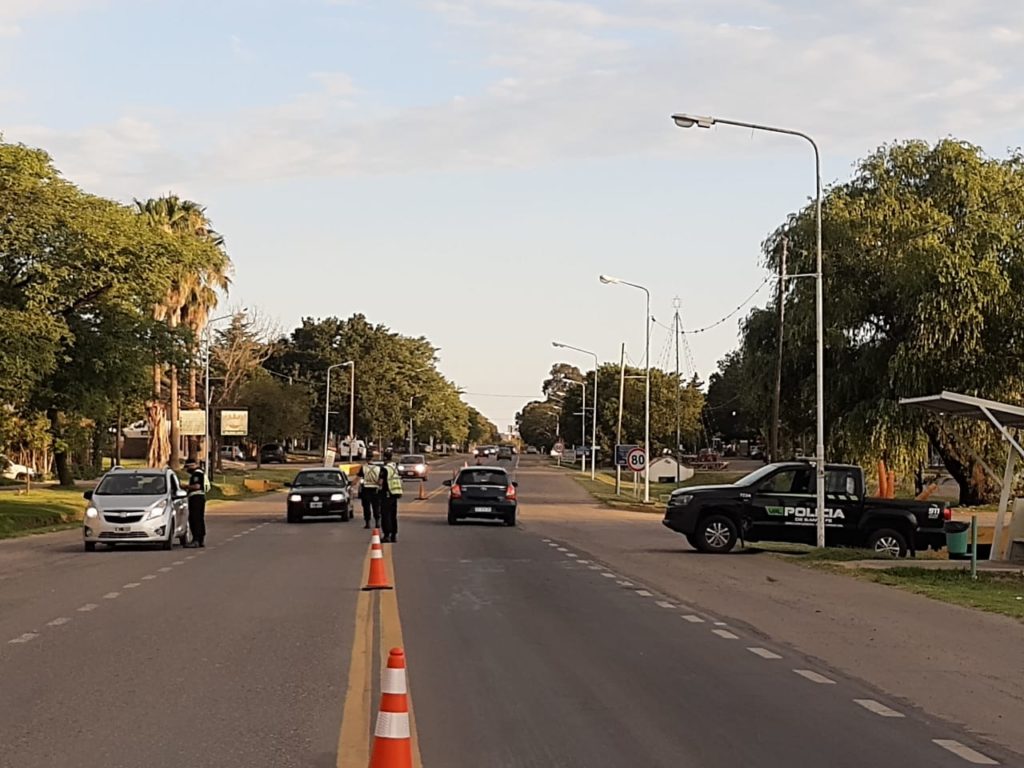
(41, 510)
(994, 592)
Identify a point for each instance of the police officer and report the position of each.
(369, 491)
(391, 492)
(196, 502)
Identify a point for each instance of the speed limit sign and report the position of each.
(636, 460)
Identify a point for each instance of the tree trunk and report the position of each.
(975, 487)
(159, 445)
(97, 448)
(60, 450)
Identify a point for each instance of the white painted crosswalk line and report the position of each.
(962, 750)
(878, 708)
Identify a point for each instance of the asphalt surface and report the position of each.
(524, 648)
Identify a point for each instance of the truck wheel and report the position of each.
(888, 542)
(716, 534)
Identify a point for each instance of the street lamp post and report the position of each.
(689, 121)
(207, 438)
(351, 410)
(583, 420)
(327, 404)
(608, 280)
(593, 426)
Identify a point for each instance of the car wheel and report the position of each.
(716, 534)
(346, 513)
(186, 538)
(168, 543)
(452, 519)
(888, 543)
(90, 546)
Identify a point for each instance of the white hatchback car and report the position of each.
(136, 506)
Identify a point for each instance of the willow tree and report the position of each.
(924, 291)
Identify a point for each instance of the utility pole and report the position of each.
(412, 448)
(618, 428)
(777, 396)
(679, 385)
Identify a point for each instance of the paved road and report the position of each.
(524, 650)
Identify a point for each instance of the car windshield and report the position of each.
(483, 477)
(332, 479)
(132, 484)
(412, 459)
(271, 448)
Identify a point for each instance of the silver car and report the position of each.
(137, 506)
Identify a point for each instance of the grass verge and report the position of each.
(602, 488)
(39, 511)
(993, 592)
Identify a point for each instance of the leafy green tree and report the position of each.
(276, 410)
(537, 423)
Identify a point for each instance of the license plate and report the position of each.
(122, 529)
(481, 509)
(315, 504)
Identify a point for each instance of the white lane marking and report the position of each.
(814, 677)
(58, 621)
(624, 583)
(131, 585)
(693, 619)
(583, 562)
(149, 577)
(562, 549)
(764, 653)
(179, 562)
(165, 569)
(962, 750)
(546, 541)
(111, 595)
(665, 604)
(190, 557)
(644, 593)
(596, 567)
(88, 607)
(608, 575)
(24, 638)
(572, 554)
(878, 708)
(726, 634)
(721, 624)
(553, 544)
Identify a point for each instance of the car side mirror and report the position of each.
(181, 493)
(515, 483)
(87, 495)
(447, 483)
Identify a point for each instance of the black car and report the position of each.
(778, 503)
(316, 492)
(505, 452)
(483, 492)
(272, 453)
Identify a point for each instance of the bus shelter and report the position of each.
(1004, 418)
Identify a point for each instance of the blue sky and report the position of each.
(465, 170)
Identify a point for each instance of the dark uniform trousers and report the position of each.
(389, 515)
(371, 504)
(197, 516)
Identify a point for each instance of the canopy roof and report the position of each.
(955, 404)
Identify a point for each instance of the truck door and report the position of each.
(783, 505)
(845, 505)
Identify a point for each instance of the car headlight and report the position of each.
(337, 497)
(295, 497)
(682, 500)
(92, 512)
(158, 510)
(421, 467)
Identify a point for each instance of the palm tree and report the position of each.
(190, 298)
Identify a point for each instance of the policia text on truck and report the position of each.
(777, 503)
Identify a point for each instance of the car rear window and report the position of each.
(332, 479)
(482, 477)
(132, 484)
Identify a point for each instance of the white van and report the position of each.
(358, 450)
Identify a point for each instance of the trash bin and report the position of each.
(957, 534)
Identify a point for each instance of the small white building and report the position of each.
(664, 468)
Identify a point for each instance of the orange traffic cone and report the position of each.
(392, 744)
(423, 491)
(378, 574)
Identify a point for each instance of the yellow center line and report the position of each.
(354, 736)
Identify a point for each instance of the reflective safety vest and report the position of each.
(394, 480)
(371, 475)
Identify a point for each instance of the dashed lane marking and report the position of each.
(24, 638)
(665, 604)
(721, 624)
(149, 577)
(583, 562)
(962, 750)
(726, 634)
(624, 583)
(58, 621)
(179, 562)
(546, 541)
(111, 595)
(562, 549)
(644, 593)
(764, 653)
(88, 607)
(190, 557)
(131, 585)
(571, 554)
(814, 677)
(878, 708)
(693, 619)
(165, 569)
(595, 567)
(608, 575)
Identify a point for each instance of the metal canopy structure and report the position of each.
(1003, 417)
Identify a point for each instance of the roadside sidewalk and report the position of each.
(963, 665)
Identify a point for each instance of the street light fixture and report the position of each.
(327, 405)
(609, 280)
(593, 427)
(207, 438)
(684, 120)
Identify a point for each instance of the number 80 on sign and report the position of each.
(636, 460)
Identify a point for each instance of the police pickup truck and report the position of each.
(777, 503)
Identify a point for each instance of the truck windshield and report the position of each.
(757, 475)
